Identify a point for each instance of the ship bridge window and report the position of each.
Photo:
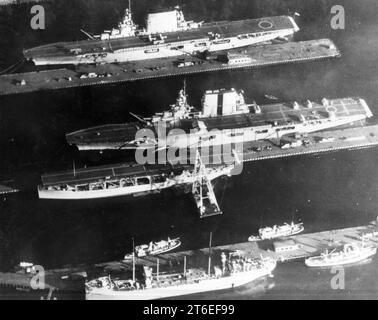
(151, 50)
(222, 41)
(143, 181)
(236, 134)
(96, 186)
(201, 44)
(82, 188)
(126, 182)
(159, 179)
(285, 129)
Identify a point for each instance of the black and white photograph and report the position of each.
(173, 151)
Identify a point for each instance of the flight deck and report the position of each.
(223, 28)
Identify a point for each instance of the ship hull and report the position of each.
(284, 234)
(157, 51)
(56, 194)
(212, 37)
(354, 259)
(298, 229)
(176, 244)
(221, 137)
(272, 121)
(250, 134)
(233, 281)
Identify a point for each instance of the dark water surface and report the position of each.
(327, 191)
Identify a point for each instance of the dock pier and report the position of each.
(321, 142)
(6, 190)
(102, 74)
(305, 245)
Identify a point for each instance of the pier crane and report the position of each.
(203, 191)
(202, 188)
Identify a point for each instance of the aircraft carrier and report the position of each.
(224, 118)
(167, 34)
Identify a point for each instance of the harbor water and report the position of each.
(324, 192)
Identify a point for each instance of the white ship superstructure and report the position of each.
(126, 28)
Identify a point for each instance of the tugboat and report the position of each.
(285, 230)
(351, 253)
(154, 248)
(235, 271)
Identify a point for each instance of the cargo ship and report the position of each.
(167, 34)
(235, 272)
(225, 118)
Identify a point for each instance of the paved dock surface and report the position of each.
(321, 142)
(307, 245)
(317, 143)
(87, 75)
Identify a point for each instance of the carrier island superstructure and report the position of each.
(167, 34)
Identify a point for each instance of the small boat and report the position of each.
(270, 97)
(154, 248)
(285, 230)
(351, 253)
